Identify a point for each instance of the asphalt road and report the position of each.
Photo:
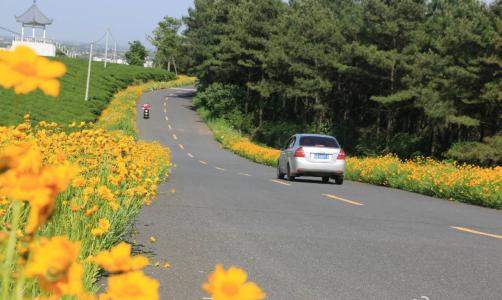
(304, 240)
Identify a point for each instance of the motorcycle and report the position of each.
(146, 113)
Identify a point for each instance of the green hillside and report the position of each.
(70, 105)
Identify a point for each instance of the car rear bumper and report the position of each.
(303, 167)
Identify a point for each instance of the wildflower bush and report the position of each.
(448, 180)
(121, 113)
(103, 179)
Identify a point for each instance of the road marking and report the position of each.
(245, 174)
(207, 298)
(190, 155)
(165, 104)
(203, 162)
(165, 111)
(343, 200)
(167, 98)
(174, 136)
(182, 147)
(477, 232)
(170, 128)
(280, 182)
(167, 119)
(218, 168)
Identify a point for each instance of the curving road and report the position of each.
(304, 240)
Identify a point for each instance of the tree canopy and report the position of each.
(412, 77)
(136, 54)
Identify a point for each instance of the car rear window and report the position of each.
(318, 141)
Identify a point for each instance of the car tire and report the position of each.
(325, 179)
(280, 175)
(339, 180)
(290, 177)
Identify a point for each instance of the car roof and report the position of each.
(313, 134)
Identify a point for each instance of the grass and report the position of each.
(70, 106)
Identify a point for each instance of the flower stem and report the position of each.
(11, 246)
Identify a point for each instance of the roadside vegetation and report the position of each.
(70, 106)
(410, 78)
(70, 191)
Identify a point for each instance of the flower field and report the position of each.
(113, 177)
(465, 183)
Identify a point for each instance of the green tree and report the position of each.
(171, 47)
(136, 54)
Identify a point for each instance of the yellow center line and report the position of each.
(203, 162)
(174, 136)
(182, 147)
(280, 182)
(218, 168)
(477, 232)
(343, 200)
(245, 174)
(190, 155)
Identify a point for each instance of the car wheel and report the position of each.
(325, 179)
(280, 175)
(339, 180)
(290, 177)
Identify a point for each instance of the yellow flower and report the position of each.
(131, 286)
(119, 259)
(54, 263)
(24, 71)
(78, 182)
(74, 207)
(24, 178)
(91, 210)
(102, 228)
(231, 285)
(105, 193)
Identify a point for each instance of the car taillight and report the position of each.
(341, 155)
(299, 152)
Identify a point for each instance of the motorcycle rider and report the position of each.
(146, 106)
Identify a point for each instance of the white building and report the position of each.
(34, 18)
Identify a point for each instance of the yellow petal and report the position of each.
(50, 87)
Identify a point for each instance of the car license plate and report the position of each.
(320, 156)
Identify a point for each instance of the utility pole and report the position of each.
(115, 53)
(89, 73)
(106, 47)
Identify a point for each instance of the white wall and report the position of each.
(42, 49)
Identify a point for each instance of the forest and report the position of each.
(409, 77)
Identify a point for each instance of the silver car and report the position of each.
(312, 155)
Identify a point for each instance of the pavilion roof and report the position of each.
(34, 16)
